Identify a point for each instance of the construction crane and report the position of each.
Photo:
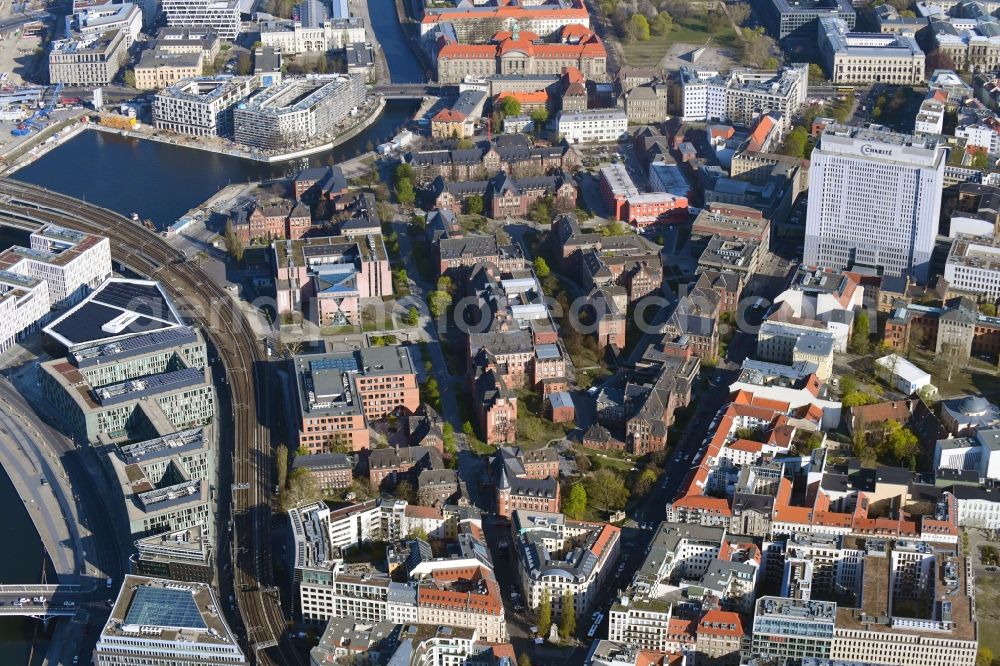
(38, 119)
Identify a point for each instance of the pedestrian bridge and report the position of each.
(42, 601)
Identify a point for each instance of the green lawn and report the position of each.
(988, 610)
(690, 30)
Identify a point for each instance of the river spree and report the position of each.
(403, 65)
(161, 182)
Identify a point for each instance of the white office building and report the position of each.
(874, 200)
(973, 265)
(222, 16)
(292, 37)
(71, 262)
(165, 622)
(24, 304)
(94, 21)
(592, 126)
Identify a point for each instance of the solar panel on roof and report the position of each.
(138, 298)
(163, 607)
(342, 363)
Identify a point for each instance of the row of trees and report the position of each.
(567, 618)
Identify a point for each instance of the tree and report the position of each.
(857, 399)
(524, 660)
(567, 622)
(816, 74)
(645, 481)
(544, 614)
(404, 192)
(244, 65)
(638, 28)
(757, 47)
(412, 316)
(583, 463)
(607, 488)
(129, 78)
(795, 142)
(859, 336)
(405, 490)
(302, 489)
(510, 106)
(281, 463)
(739, 13)
(234, 244)
(403, 172)
(539, 117)
(988, 309)
(901, 444)
(661, 24)
(438, 303)
(541, 267)
(417, 533)
(465, 144)
(954, 357)
(474, 205)
(468, 430)
(575, 504)
(984, 657)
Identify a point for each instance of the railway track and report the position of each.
(207, 305)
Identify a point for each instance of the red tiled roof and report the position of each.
(448, 116)
(539, 97)
(721, 623)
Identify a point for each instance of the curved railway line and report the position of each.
(247, 434)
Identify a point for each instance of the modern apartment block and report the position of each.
(222, 16)
(798, 19)
(166, 622)
(742, 95)
(71, 262)
(874, 200)
(338, 394)
(862, 57)
(297, 111)
(88, 60)
(201, 106)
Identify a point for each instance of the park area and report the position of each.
(685, 36)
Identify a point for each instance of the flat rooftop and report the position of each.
(118, 309)
(159, 609)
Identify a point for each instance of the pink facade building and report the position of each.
(325, 277)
